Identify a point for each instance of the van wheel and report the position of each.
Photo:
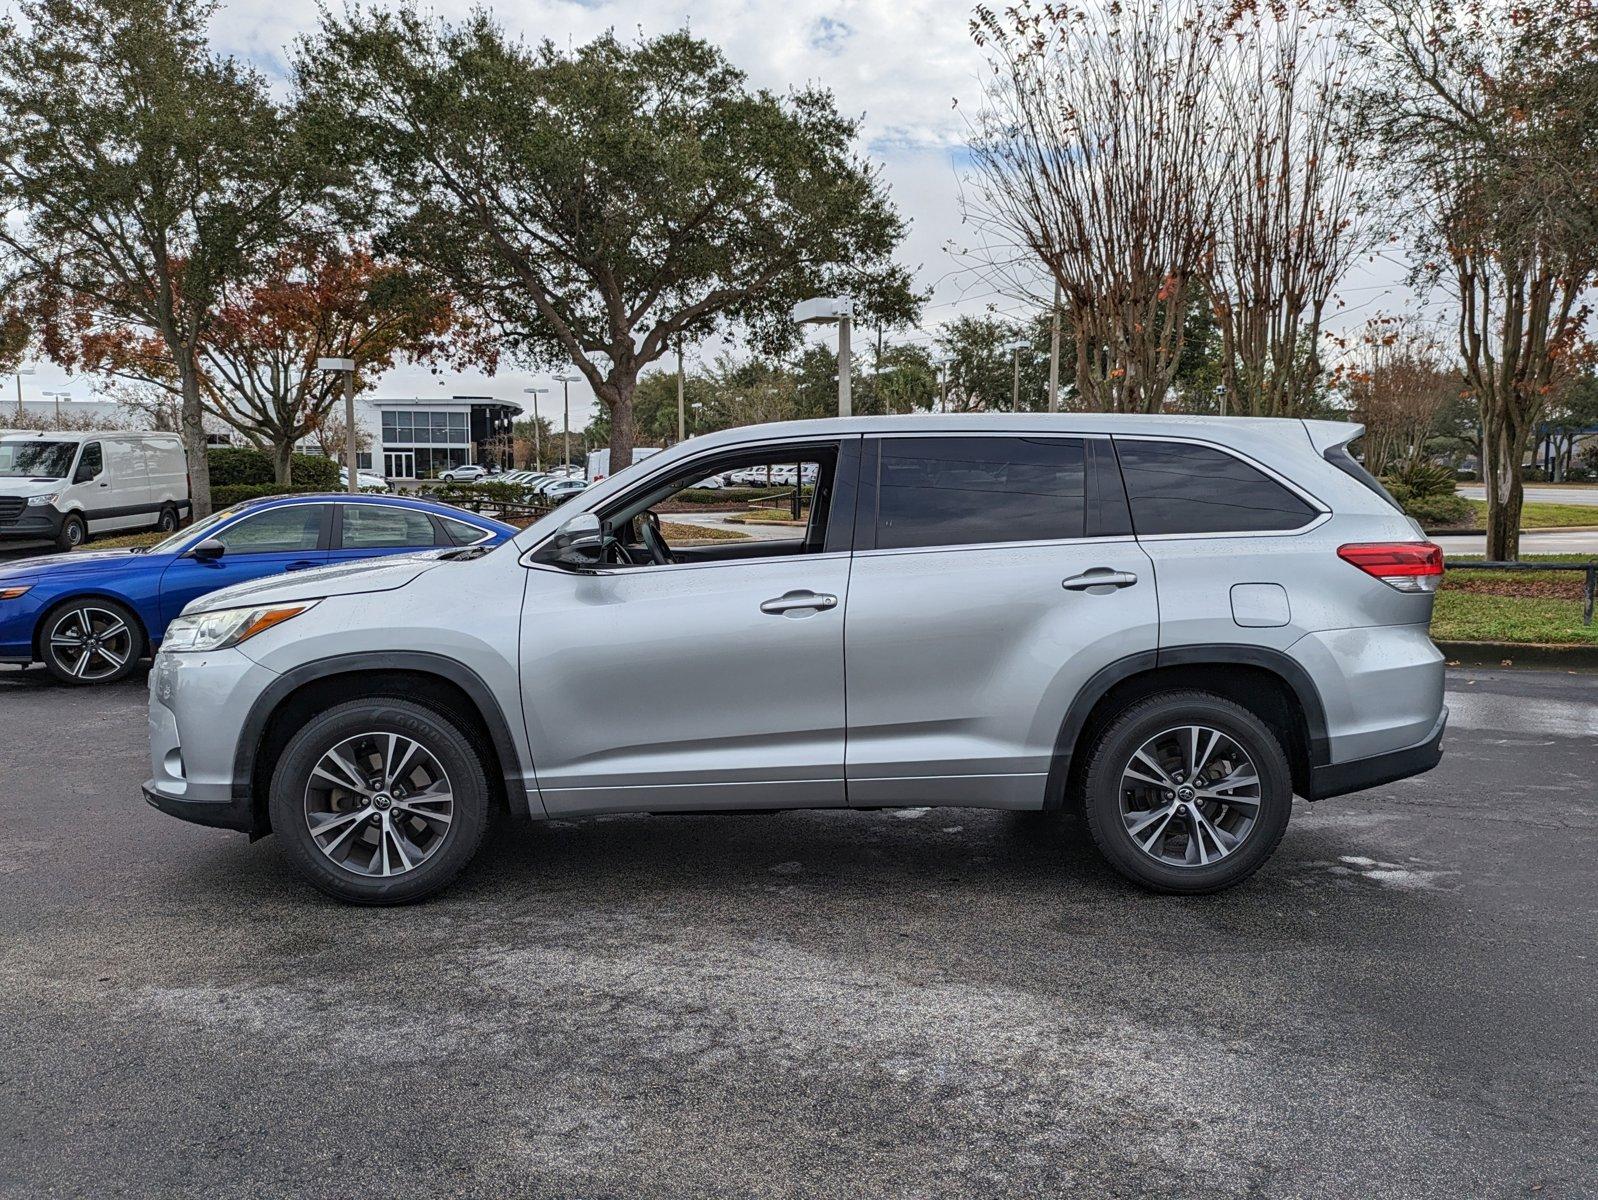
(91, 641)
(168, 521)
(380, 801)
(1187, 793)
(73, 533)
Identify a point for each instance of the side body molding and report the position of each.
(513, 767)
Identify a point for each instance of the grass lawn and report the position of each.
(1539, 607)
(1543, 515)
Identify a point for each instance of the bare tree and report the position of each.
(1399, 379)
(1486, 118)
(1101, 151)
(1293, 217)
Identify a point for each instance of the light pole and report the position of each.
(538, 434)
(21, 371)
(943, 382)
(827, 310)
(566, 382)
(57, 397)
(346, 366)
(1054, 352)
(1015, 347)
(682, 428)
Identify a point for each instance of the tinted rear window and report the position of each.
(956, 491)
(1177, 487)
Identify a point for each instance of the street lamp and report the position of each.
(1054, 351)
(1015, 347)
(538, 435)
(347, 367)
(682, 428)
(828, 310)
(566, 382)
(21, 371)
(57, 397)
(942, 364)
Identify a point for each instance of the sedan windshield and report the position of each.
(176, 541)
(36, 460)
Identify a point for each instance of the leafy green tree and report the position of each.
(982, 372)
(146, 171)
(604, 202)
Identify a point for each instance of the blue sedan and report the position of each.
(89, 616)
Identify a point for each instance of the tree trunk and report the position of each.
(1503, 446)
(192, 422)
(283, 463)
(623, 433)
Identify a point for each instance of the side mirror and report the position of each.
(209, 550)
(579, 542)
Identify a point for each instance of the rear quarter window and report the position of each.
(1180, 487)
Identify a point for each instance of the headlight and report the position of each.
(227, 627)
(41, 501)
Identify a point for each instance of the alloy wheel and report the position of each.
(91, 643)
(379, 804)
(1190, 796)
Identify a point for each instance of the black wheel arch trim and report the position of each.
(1098, 686)
(504, 745)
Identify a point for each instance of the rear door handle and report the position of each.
(794, 601)
(301, 566)
(1098, 577)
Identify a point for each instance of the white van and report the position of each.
(65, 487)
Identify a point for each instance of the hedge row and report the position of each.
(236, 493)
(243, 466)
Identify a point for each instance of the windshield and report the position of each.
(36, 460)
(168, 544)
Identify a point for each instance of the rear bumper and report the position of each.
(1338, 779)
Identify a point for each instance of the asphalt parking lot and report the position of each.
(912, 1003)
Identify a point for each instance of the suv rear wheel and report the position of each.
(380, 801)
(1187, 792)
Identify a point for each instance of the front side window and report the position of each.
(961, 491)
(277, 531)
(385, 527)
(90, 463)
(1178, 487)
(36, 460)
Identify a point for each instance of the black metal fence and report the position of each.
(1589, 569)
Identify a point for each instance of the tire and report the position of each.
(363, 864)
(73, 532)
(1209, 840)
(91, 641)
(167, 522)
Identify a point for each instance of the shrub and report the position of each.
(1421, 480)
(1440, 512)
(245, 465)
(235, 493)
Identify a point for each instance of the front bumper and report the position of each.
(34, 523)
(1338, 779)
(198, 704)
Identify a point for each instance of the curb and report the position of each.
(1497, 654)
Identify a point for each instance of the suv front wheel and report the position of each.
(1187, 792)
(380, 801)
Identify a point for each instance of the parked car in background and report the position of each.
(559, 491)
(1173, 624)
(367, 481)
(67, 487)
(467, 473)
(89, 616)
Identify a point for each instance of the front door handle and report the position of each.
(797, 600)
(1098, 577)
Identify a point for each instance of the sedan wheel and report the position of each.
(90, 642)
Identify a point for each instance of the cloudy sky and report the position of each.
(900, 64)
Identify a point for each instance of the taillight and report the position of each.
(1407, 566)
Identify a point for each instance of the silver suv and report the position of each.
(1173, 624)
